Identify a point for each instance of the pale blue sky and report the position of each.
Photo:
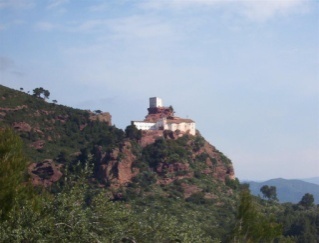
(245, 71)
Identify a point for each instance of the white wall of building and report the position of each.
(183, 127)
(140, 125)
(163, 124)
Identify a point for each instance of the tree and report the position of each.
(269, 192)
(41, 93)
(46, 94)
(171, 108)
(132, 132)
(77, 214)
(54, 101)
(13, 166)
(307, 200)
(251, 225)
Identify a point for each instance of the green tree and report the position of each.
(12, 172)
(133, 133)
(80, 214)
(252, 226)
(269, 192)
(41, 93)
(171, 109)
(46, 94)
(307, 200)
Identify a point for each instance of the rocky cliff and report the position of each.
(60, 139)
(121, 164)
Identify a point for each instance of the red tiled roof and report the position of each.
(179, 120)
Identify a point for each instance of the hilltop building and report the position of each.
(162, 118)
(156, 102)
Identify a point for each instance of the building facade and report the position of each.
(170, 123)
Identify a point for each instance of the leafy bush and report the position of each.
(13, 165)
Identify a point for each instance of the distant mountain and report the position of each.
(287, 190)
(314, 180)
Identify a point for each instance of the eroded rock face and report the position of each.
(13, 109)
(149, 137)
(117, 167)
(44, 173)
(102, 117)
(190, 189)
(217, 165)
(22, 126)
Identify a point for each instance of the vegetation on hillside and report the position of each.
(159, 204)
(47, 129)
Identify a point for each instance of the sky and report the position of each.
(247, 72)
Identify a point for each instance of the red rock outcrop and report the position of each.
(44, 173)
(13, 109)
(21, 126)
(102, 117)
(149, 137)
(220, 168)
(190, 189)
(117, 167)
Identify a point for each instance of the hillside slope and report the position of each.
(56, 136)
(171, 170)
(288, 190)
(314, 180)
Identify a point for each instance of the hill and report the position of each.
(54, 132)
(287, 190)
(171, 170)
(314, 180)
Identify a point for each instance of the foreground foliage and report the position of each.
(252, 226)
(12, 172)
(68, 217)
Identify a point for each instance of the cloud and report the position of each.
(57, 3)
(140, 27)
(126, 28)
(255, 10)
(99, 7)
(45, 26)
(6, 64)
(263, 10)
(88, 25)
(179, 4)
(72, 27)
(17, 4)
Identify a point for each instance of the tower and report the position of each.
(156, 102)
